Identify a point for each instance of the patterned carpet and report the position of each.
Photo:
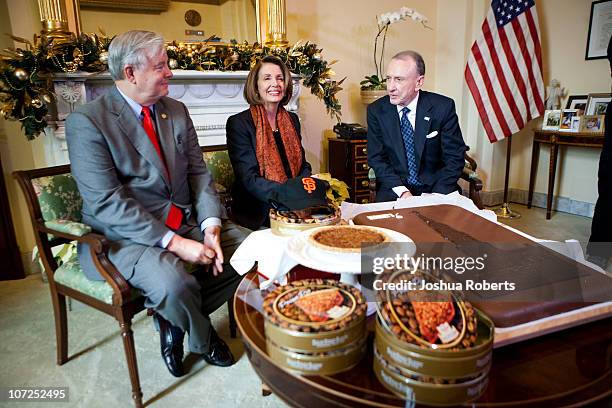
(97, 374)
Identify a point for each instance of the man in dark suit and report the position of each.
(135, 156)
(599, 249)
(414, 141)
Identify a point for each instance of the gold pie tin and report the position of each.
(427, 392)
(288, 228)
(314, 306)
(323, 363)
(484, 341)
(444, 363)
(314, 342)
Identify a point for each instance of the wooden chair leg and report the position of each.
(130, 354)
(61, 326)
(232, 319)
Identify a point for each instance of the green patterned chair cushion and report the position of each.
(71, 275)
(69, 227)
(472, 174)
(59, 197)
(219, 165)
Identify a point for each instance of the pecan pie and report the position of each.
(347, 238)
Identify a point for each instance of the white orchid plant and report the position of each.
(377, 81)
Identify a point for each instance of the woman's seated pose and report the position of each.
(264, 142)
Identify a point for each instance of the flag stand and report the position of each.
(504, 211)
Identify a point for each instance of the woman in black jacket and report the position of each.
(264, 143)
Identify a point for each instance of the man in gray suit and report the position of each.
(135, 156)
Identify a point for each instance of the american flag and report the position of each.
(504, 69)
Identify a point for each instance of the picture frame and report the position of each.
(552, 119)
(565, 121)
(575, 124)
(592, 124)
(598, 103)
(600, 30)
(577, 102)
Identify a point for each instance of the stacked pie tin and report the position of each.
(432, 348)
(315, 326)
(287, 223)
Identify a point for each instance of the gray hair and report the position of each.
(132, 48)
(415, 56)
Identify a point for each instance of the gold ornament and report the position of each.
(21, 74)
(71, 67)
(172, 63)
(37, 103)
(103, 58)
(47, 98)
(4, 110)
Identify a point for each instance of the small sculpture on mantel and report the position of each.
(554, 93)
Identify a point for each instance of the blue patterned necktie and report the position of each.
(408, 137)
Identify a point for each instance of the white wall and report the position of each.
(345, 30)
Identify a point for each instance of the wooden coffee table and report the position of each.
(568, 368)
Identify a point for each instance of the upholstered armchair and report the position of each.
(54, 205)
(468, 174)
(218, 163)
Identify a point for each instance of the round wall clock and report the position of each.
(193, 18)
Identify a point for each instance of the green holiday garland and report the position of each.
(26, 74)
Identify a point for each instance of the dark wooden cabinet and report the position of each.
(348, 161)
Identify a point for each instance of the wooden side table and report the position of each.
(556, 139)
(568, 368)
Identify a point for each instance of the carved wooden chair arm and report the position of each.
(99, 245)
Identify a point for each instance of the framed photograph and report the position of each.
(592, 123)
(598, 103)
(551, 121)
(600, 29)
(578, 102)
(565, 124)
(575, 124)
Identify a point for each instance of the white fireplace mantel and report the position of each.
(210, 96)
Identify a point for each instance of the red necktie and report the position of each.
(175, 215)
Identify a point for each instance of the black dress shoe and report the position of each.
(171, 342)
(218, 353)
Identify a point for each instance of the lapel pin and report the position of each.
(164, 116)
(426, 118)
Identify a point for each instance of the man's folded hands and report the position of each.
(192, 251)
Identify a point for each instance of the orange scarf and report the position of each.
(268, 157)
